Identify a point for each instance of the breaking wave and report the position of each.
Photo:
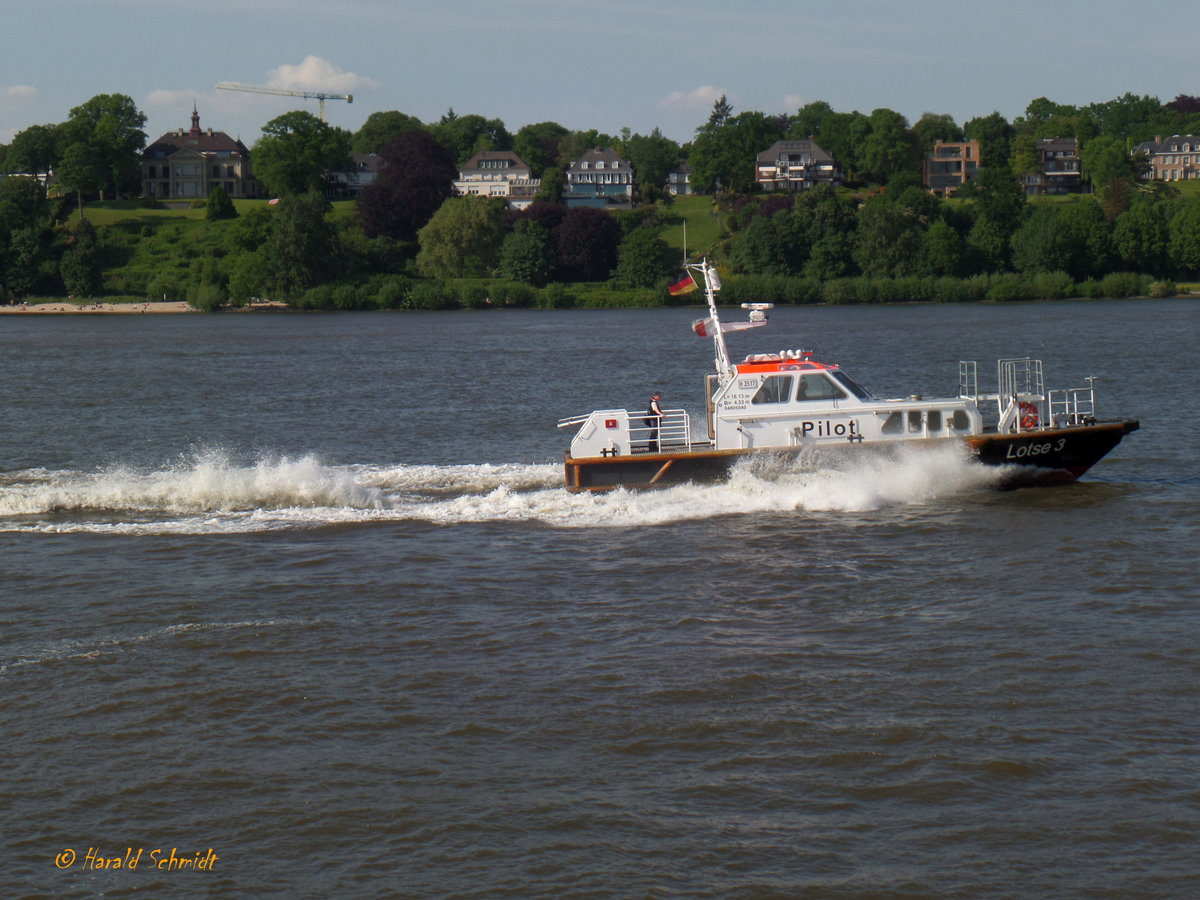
(212, 492)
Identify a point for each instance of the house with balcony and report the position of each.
(792, 165)
(950, 165)
(1175, 159)
(498, 173)
(600, 179)
(1058, 169)
(189, 164)
(679, 181)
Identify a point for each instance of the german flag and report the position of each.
(685, 285)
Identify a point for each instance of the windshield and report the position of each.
(851, 385)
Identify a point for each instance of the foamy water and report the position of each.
(215, 492)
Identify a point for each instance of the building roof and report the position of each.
(202, 142)
(610, 158)
(1164, 145)
(788, 149)
(514, 161)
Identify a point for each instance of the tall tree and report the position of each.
(653, 157)
(80, 266)
(891, 148)
(108, 128)
(301, 249)
(527, 254)
(994, 134)
(416, 178)
(722, 156)
(641, 258)
(463, 238)
(1141, 237)
(538, 144)
(586, 243)
(809, 120)
(380, 128)
(296, 150)
(34, 150)
(464, 136)
(720, 114)
(934, 127)
(1113, 172)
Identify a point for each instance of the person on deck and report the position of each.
(653, 419)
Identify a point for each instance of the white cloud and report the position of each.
(17, 94)
(793, 101)
(700, 98)
(317, 74)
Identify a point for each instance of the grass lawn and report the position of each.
(135, 212)
(704, 227)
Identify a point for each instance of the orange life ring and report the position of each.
(1029, 414)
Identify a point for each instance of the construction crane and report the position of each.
(317, 95)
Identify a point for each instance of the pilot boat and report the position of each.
(788, 404)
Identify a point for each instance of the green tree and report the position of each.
(808, 121)
(722, 155)
(1074, 239)
(27, 263)
(380, 128)
(945, 252)
(890, 148)
(296, 150)
(219, 206)
(1184, 244)
(653, 157)
(34, 150)
(994, 134)
(1113, 172)
(23, 204)
(301, 250)
(81, 172)
(527, 254)
(890, 240)
(720, 114)
(551, 188)
(463, 238)
(80, 266)
(1141, 238)
(538, 145)
(108, 129)
(464, 136)
(934, 127)
(641, 259)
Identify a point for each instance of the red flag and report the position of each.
(685, 285)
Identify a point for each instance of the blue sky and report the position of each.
(603, 64)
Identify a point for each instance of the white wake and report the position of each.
(213, 492)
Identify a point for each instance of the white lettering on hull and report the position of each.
(1024, 451)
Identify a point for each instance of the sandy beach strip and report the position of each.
(67, 307)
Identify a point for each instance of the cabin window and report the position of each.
(934, 419)
(894, 424)
(774, 389)
(851, 385)
(818, 387)
(914, 420)
(960, 421)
